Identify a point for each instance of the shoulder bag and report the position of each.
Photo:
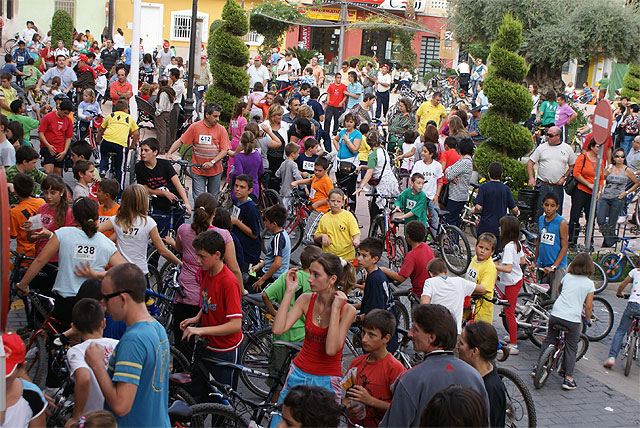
(571, 184)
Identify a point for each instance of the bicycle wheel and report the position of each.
(155, 281)
(377, 227)
(632, 348)
(269, 197)
(521, 410)
(403, 314)
(9, 46)
(455, 249)
(538, 321)
(295, 231)
(216, 415)
(187, 155)
(583, 347)
(520, 314)
(131, 168)
(613, 266)
(36, 360)
(599, 279)
(352, 349)
(601, 320)
(224, 198)
(255, 355)
(399, 252)
(544, 367)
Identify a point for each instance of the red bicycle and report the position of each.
(386, 228)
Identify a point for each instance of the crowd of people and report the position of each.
(90, 248)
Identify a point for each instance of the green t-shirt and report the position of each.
(416, 203)
(28, 125)
(548, 110)
(603, 84)
(33, 79)
(36, 174)
(275, 293)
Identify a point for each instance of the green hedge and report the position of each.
(235, 19)
(231, 78)
(631, 82)
(363, 60)
(508, 97)
(506, 136)
(229, 49)
(62, 28)
(515, 172)
(508, 66)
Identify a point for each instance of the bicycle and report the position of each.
(468, 220)
(474, 303)
(631, 347)
(386, 228)
(92, 134)
(614, 264)
(552, 357)
(11, 44)
(184, 170)
(576, 143)
(296, 221)
(451, 243)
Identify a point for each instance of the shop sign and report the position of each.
(448, 45)
(418, 5)
(328, 14)
(305, 37)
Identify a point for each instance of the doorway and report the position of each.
(151, 26)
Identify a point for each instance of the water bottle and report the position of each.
(152, 308)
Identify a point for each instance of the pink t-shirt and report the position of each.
(236, 128)
(190, 267)
(255, 98)
(48, 222)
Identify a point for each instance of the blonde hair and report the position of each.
(145, 89)
(456, 128)
(90, 93)
(134, 204)
(305, 112)
(274, 110)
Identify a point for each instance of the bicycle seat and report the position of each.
(397, 220)
(180, 378)
(560, 327)
(530, 236)
(255, 299)
(441, 212)
(402, 331)
(539, 288)
(403, 175)
(179, 411)
(293, 346)
(475, 185)
(523, 205)
(401, 292)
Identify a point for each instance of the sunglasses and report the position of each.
(117, 293)
(619, 156)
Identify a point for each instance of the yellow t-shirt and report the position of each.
(8, 96)
(364, 150)
(485, 274)
(117, 127)
(341, 228)
(427, 112)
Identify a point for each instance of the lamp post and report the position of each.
(188, 106)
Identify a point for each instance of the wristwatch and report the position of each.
(554, 267)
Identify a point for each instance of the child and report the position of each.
(303, 93)
(278, 250)
(368, 400)
(26, 161)
(245, 218)
(365, 149)
(576, 293)
(96, 419)
(7, 93)
(288, 172)
(433, 176)
(88, 320)
(338, 231)
(7, 151)
(237, 126)
(15, 134)
(54, 90)
(482, 271)
(448, 291)
(28, 124)
(220, 316)
(632, 309)
(25, 403)
(106, 195)
(415, 263)
(308, 78)
(33, 74)
(249, 161)
(552, 244)
(310, 406)
(492, 202)
(83, 172)
(27, 207)
(408, 152)
(377, 292)
(306, 160)
(321, 184)
(406, 79)
(222, 220)
(101, 82)
(275, 293)
(88, 109)
(412, 201)
(510, 274)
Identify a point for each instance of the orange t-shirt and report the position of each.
(19, 214)
(207, 142)
(105, 215)
(587, 170)
(320, 189)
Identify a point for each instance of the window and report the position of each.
(253, 39)
(429, 50)
(66, 5)
(181, 25)
(439, 4)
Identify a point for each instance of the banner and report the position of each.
(329, 14)
(305, 37)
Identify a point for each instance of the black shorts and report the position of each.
(47, 158)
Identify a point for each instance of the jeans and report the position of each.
(626, 143)
(199, 98)
(202, 183)
(182, 311)
(632, 309)
(474, 86)
(120, 159)
(334, 113)
(83, 128)
(543, 189)
(163, 221)
(454, 208)
(434, 223)
(580, 200)
(570, 342)
(382, 103)
(607, 213)
(565, 133)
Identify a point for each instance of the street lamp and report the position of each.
(188, 105)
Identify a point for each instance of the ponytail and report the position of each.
(205, 207)
(85, 212)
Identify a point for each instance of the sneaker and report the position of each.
(533, 372)
(568, 384)
(513, 349)
(622, 219)
(609, 363)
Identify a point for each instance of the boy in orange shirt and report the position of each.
(321, 185)
(107, 192)
(26, 208)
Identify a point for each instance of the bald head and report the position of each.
(554, 136)
(636, 141)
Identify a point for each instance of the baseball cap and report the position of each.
(165, 45)
(203, 56)
(83, 58)
(60, 96)
(100, 69)
(257, 57)
(476, 108)
(14, 351)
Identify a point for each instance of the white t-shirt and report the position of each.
(133, 244)
(7, 154)
(510, 255)
(568, 305)
(283, 65)
(635, 288)
(553, 161)
(295, 64)
(29, 406)
(259, 74)
(384, 78)
(463, 68)
(432, 173)
(118, 41)
(407, 163)
(449, 291)
(75, 356)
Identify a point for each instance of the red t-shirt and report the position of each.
(49, 223)
(450, 157)
(376, 377)
(220, 301)
(336, 94)
(207, 142)
(414, 266)
(56, 130)
(608, 144)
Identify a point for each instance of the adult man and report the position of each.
(109, 55)
(383, 84)
(294, 105)
(430, 110)
(61, 50)
(474, 131)
(435, 333)
(120, 87)
(318, 73)
(275, 56)
(335, 103)
(21, 55)
(135, 384)
(202, 82)
(284, 69)
(633, 158)
(66, 75)
(564, 116)
(258, 73)
(163, 57)
(554, 159)
(464, 74)
(369, 78)
(55, 132)
(127, 57)
(210, 144)
(27, 34)
(176, 84)
(603, 85)
(362, 110)
(86, 76)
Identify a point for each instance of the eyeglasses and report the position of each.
(619, 156)
(117, 293)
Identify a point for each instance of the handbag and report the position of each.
(571, 184)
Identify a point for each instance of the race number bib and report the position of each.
(411, 204)
(84, 252)
(20, 59)
(312, 193)
(234, 123)
(308, 165)
(471, 274)
(205, 140)
(235, 211)
(132, 234)
(201, 88)
(548, 238)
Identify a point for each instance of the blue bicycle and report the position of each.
(614, 264)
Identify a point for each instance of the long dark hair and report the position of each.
(222, 219)
(205, 207)
(237, 109)
(483, 336)
(85, 213)
(55, 182)
(509, 231)
(333, 265)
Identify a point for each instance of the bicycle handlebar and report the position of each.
(493, 300)
(184, 163)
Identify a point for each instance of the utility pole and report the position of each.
(193, 57)
(343, 25)
(134, 72)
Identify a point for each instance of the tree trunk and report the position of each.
(547, 78)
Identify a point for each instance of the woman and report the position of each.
(548, 110)
(119, 42)
(459, 175)
(584, 170)
(306, 112)
(535, 98)
(300, 132)
(148, 66)
(613, 196)
(347, 143)
(47, 56)
(328, 318)
(478, 346)
(631, 125)
(457, 128)
(35, 46)
(404, 120)
(277, 130)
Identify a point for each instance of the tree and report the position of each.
(553, 31)
(631, 82)
(228, 55)
(511, 104)
(271, 29)
(62, 28)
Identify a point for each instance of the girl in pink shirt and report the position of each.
(236, 128)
